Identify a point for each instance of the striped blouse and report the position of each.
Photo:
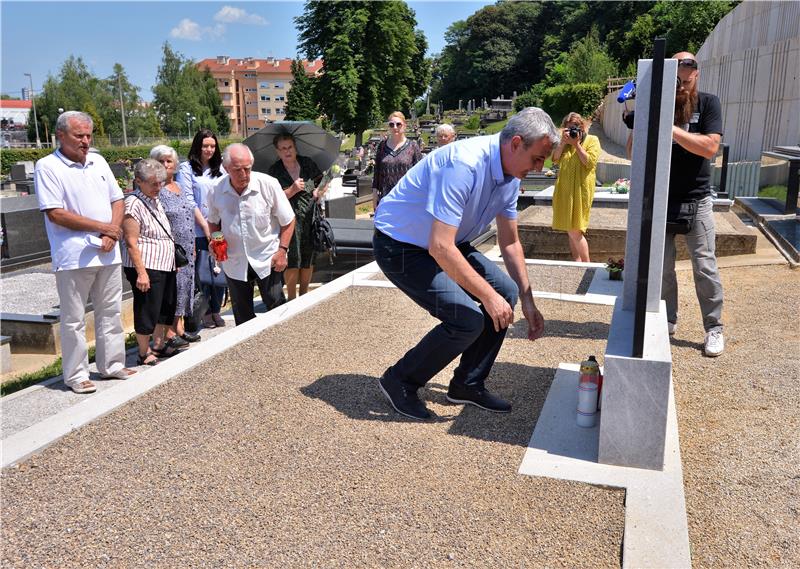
(155, 244)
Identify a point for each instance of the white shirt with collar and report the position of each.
(251, 222)
(85, 189)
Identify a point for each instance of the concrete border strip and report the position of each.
(656, 527)
(23, 444)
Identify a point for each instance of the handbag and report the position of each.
(181, 260)
(680, 218)
(322, 233)
(205, 271)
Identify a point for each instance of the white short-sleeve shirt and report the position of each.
(84, 189)
(251, 222)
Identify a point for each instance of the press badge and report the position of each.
(695, 118)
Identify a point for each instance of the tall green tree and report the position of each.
(370, 51)
(300, 103)
(183, 91)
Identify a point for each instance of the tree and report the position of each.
(300, 104)
(181, 91)
(370, 49)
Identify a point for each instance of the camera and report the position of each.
(575, 132)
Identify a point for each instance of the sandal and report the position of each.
(144, 360)
(85, 386)
(169, 349)
(124, 373)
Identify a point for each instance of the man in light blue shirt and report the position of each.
(423, 229)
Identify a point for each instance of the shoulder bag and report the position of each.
(181, 260)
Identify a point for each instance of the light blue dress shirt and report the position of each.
(461, 184)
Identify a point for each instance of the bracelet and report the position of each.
(284, 247)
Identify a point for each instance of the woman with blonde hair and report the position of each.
(394, 157)
(576, 156)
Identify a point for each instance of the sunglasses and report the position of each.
(688, 62)
(395, 124)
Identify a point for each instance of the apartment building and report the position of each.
(253, 90)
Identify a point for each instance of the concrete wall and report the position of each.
(751, 61)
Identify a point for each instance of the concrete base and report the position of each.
(635, 392)
(39, 334)
(656, 529)
(5, 354)
(607, 232)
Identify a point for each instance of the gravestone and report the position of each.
(635, 394)
(19, 173)
(119, 169)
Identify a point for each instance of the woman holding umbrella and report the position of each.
(295, 174)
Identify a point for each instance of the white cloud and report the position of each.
(231, 15)
(192, 31)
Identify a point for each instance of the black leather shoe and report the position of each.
(404, 399)
(478, 397)
(189, 337)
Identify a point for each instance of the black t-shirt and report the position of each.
(690, 174)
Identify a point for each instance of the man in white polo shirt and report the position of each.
(257, 220)
(83, 208)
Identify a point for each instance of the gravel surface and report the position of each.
(282, 452)
(29, 291)
(739, 422)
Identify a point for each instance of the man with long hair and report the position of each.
(696, 134)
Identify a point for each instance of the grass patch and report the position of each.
(364, 208)
(778, 192)
(350, 140)
(48, 371)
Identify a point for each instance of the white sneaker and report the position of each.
(715, 343)
(671, 327)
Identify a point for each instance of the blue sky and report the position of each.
(38, 36)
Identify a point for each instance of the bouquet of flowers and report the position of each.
(615, 268)
(334, 171)
(621, 186)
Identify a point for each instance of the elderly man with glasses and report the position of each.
(83, 208)
(253, 212)
(696, 134)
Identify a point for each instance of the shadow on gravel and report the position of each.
(563, 329)
(359, 397)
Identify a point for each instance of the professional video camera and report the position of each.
(627, 93)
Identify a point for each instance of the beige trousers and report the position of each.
(104, 286)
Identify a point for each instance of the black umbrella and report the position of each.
(311, 141)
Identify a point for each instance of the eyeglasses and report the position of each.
(395, 124)
(688, 62)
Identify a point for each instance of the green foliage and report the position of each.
(473, 122)
(77, 89)
(182, 91)
(583, 98)
(511, 46)
(777, 192)
(10, 156)
(372, 59)
(530, 98)
(300, 104)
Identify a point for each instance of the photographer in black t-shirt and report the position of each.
(696, 135)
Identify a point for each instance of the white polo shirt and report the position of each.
(85, 189)
(251, 222)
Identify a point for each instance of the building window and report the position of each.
(250, 89)
(279, 84)
(265, 97)
(263, 85)
(280, 98)
(226, 83)
(280, 111)
(251, 102)
(266, 111)
(249, 75)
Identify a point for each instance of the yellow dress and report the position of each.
(574, 191)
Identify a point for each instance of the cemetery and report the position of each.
(269, 444)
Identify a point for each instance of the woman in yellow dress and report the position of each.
(576, 157)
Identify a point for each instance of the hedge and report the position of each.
(10, 156)
(583, 98)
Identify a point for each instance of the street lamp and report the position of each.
(35, 120)
(190, 118)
